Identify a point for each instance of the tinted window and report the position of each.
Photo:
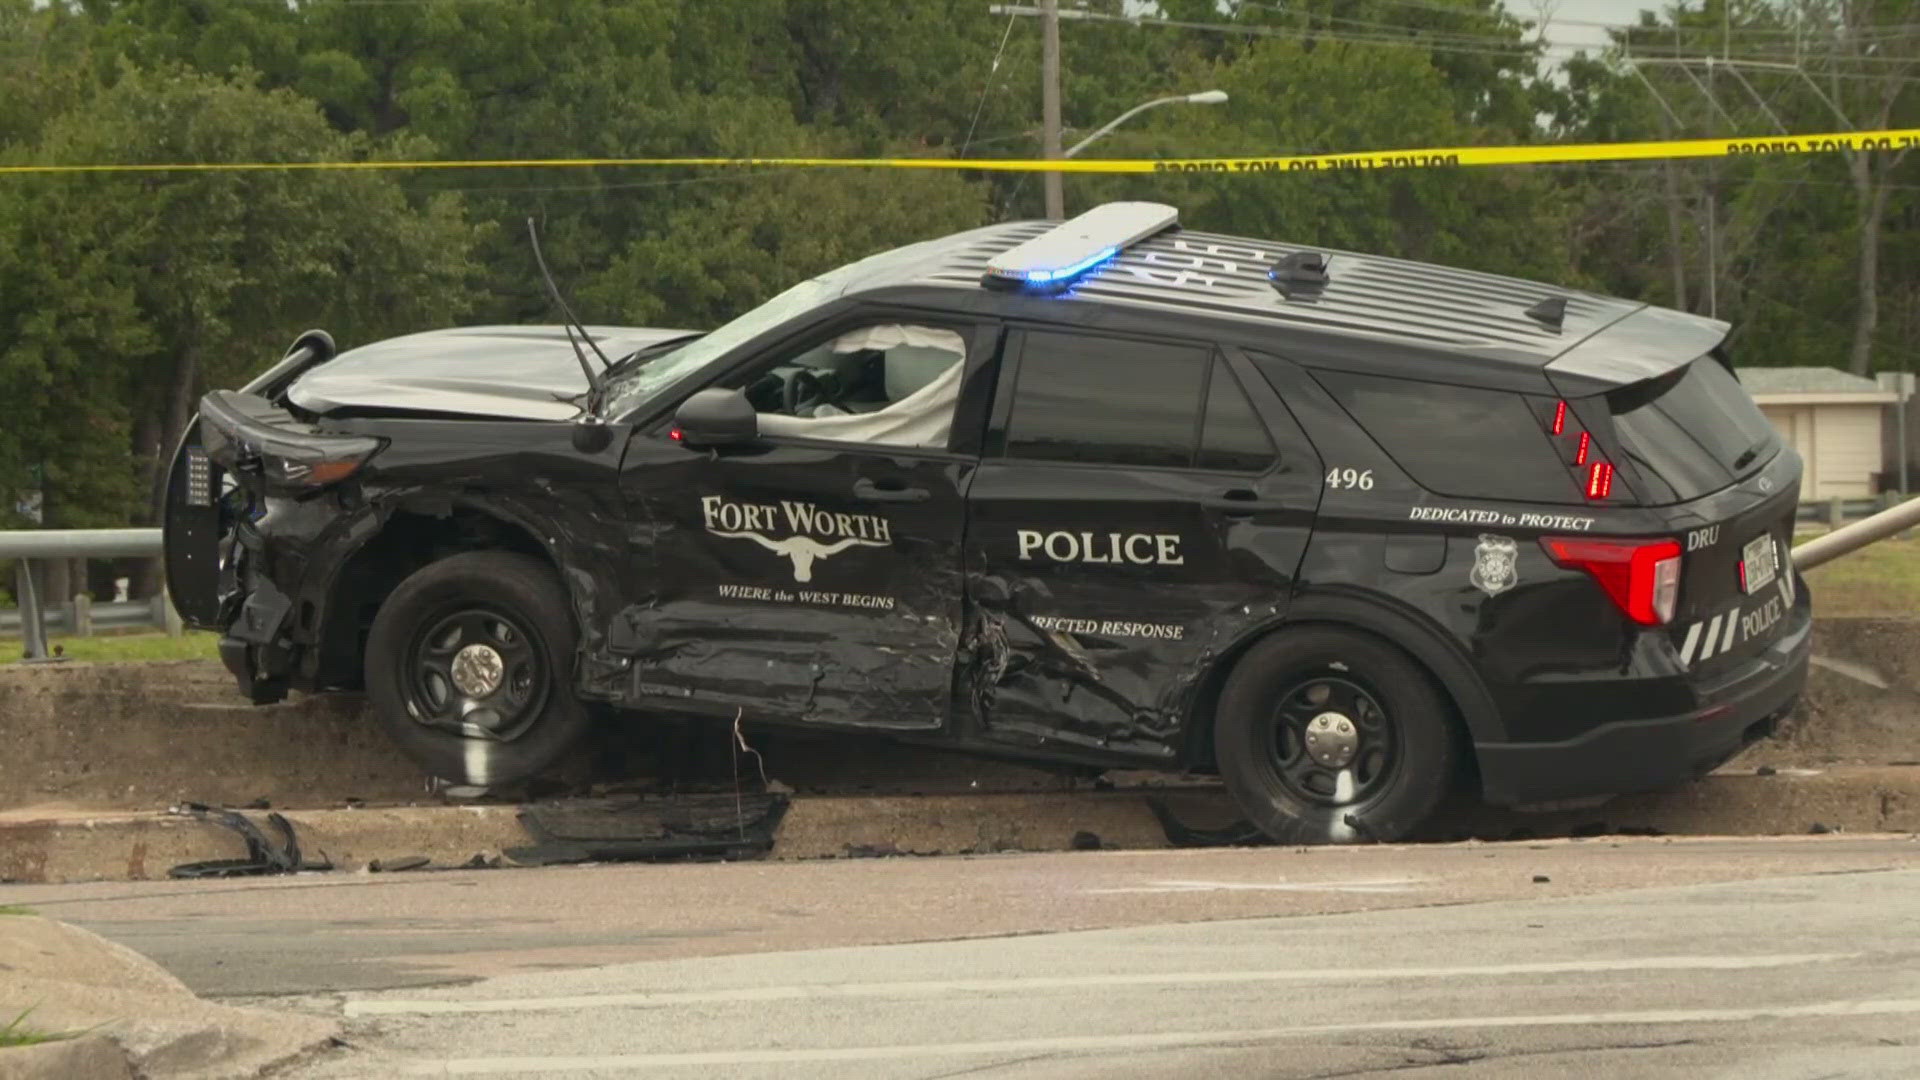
(1232, 438)
(1692, 432)
(1457, 440)
(1106, 400)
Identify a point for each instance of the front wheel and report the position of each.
(469, 665)
(1325, 735)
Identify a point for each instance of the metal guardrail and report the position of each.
(1849, 538)
(98, 615)
(1837, 512)
(81, 616)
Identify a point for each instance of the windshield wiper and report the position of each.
(596, 383)
(647, 353)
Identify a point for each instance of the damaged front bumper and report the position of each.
(247, 471)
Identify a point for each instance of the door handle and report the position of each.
(894, 491)
(1238, 502)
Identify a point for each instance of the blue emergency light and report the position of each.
(1063, 254)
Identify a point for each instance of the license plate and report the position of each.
(1759, 562)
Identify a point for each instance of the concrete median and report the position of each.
(65, 847)
(95, 751)
(111, 1013)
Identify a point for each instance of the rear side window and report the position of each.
(1457, 440)
(1232, 438)
(1107, 401)
(1692, 432)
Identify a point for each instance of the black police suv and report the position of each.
(1349, 530)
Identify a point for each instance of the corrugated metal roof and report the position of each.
(1365, 294)
(1804, 380)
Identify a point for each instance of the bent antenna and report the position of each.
(573, 323)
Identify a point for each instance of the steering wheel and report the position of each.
(799, 388)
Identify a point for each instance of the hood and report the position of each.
(508, 372)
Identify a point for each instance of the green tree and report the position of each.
(146, 290)
(1291, 96)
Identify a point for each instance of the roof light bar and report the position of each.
(1068, 251)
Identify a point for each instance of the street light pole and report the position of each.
(1204, 97)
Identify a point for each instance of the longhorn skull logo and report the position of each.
(802, 549)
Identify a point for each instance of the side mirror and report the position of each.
(716, 417)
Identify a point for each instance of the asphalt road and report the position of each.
(1812, 976)
(1763, 959)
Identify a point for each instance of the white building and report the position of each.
(1833, 419)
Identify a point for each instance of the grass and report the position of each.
(16, 909)
(1879, 579)
(16, 1033)
(193, 645)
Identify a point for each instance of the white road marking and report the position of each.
(1686, 649)
(1361, 885)
(813, 991)
(1109, 1044)
(1856, 672)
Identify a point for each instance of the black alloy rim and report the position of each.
(476, 672)
(1310, 751)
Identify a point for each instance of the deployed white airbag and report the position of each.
(923, 367)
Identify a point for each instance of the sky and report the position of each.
(1582, 23)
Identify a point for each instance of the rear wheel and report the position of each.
(1326, 736)
(469, 665)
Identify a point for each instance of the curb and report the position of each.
(128, 1017)
(89, 1057)
(143, 846)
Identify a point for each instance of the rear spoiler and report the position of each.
(1647, 344)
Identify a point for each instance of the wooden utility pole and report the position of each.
(1050, 103)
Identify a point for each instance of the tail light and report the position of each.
(1641, 576)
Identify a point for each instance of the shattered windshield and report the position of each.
(628, 391)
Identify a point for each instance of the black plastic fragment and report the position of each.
(642, 827)
(263, 857)
(1181, 835)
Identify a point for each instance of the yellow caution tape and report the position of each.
(1448, 157)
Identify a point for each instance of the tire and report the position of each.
(492, 721)
(1282, 752)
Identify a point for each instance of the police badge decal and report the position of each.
(1493, 564)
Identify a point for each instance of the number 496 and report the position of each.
(1350, 478)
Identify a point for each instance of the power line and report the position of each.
(992, 70)
(1515, 50)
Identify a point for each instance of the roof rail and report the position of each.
(1057, 258)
